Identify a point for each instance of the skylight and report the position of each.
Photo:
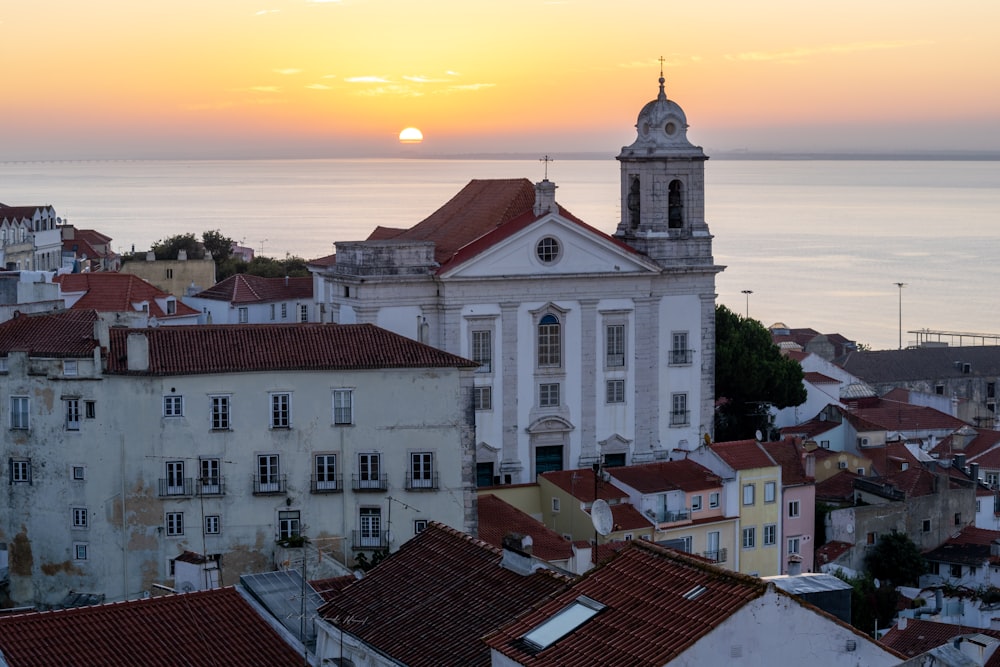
(694, 592)
(564, 622)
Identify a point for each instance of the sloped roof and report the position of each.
(214, 628)
(923, 363)
(243, 288)
(648, 617)
(984, 441)
(837, 488)
(831, 551)
(113, 292)
(683, 474)
(921, 636)
(818, 378)
(235, 348)
(969, 546)
(67, 333)
(429, 603)
(743, 454)
(788, 453)
(809, 429)
(580, 484)
(498, 518)
(897, 416)
(625, 516)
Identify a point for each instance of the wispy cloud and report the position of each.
(801, 55)
(366, 79)
(318, 86)
(323, 2)
(287, 71)
(423, 79)
(264, 89)
(262, 12)
(467, 87)
(394, 90)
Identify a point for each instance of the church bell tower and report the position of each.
(663, 189)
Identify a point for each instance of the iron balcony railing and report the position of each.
(212, 486)
(717, 556)
(370, 482)
(176, 487)
(680, 357)
(267, 485)
(679, 417)
(369, 539)
(673, 516)
(326, 484)
(422, 482)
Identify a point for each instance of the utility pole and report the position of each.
(748, 292)
(901, 286)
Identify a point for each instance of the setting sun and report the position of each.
(411, 135)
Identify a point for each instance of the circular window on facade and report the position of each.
(670, 128)
(547, 250)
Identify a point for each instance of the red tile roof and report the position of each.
(837, 488)
(818, 378)
(111, 292)
(626, 517)
(984, 441)
(498, 518)
(234, 348)
(67, 333)
(788, 454)
(245, 288)
(647, 620)
(921, 636)
(743, 454)
(579, 483)
(810, 429)
(429, 603)
(898, 416)
(684, 474)
(831, 551)
(213, 628)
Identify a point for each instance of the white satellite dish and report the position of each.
(758, 435)
(600, 514)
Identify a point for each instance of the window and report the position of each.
(871, 539)
(547, 250)
(958, 518)
(556, 505)
(749, 538)
(678, 410)
(90, 409)
(482, 350)
(268, 476)
(79, 551)
(770, 489)
(213, 524)
(19, 406)
(303, 312)
(325, 466)
(3, 365)
(343, 407)
(173, 406)
(175, 524)
(371, 527)
(284, 311)
(170, 274)
(565, 621)
(171, 306)
(70, 367)
(770, 535)
(548, 395)
(615, 345)
(244, 314)
(220, 413)
(956, 570)
(272, 311)
(72, 414)
(289, 525)
(992, 478)
(419, 526)
(369, 471)
(422, 470)
(712, 543)
(748, 494)
(281, 410)
(685, 543)
(825, 444)
(210, 480)
(483, 398)
(793, 545)
(696, 503)
(713, 499)
(79, 515)
(548, 457)
(615, 391)
(174, 482)
(549, 342)
(79, 473)
(939, 389)
(679, 352)
(861, 471)
(793, 509)
(484, 473)
(20, 471)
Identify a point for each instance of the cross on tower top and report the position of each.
(546, 159)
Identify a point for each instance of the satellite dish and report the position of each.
(390, 537)
(600, 514)
(758, 435)
(876, 582)
(187, 587)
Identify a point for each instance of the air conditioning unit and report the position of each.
(842, 465)
(862, 442)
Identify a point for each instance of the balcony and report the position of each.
(421, 482)
(718, 556)
(212, 486)
(680, 417)
(370, 482)
(326, 484)
(673, 516)
(680, 357)
(174, 488)
(270, 485)
(362, 540)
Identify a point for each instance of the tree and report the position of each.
(896, 560)
(220, 247)
(169, 247)
(751, 376)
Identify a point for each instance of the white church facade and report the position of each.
(591, 347)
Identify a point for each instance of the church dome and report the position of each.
(662, 125)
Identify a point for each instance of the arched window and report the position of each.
(634, 206)
(549, 342)
(675, 206)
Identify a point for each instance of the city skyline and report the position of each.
(343, 78)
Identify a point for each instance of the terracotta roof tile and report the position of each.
(215, 628)
(111, 292)
(67, 333)
(921, 636)
(579, 483)
(831, 551)
(683, 474)
(788, 454)
(897, 416)
(245, 288)
(626, 517)
(837, 488)
(498, 518)
(743, 454)
(234, 348)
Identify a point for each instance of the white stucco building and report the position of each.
(589, 345)
(30, 239)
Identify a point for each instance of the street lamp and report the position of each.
(748, 292)
(901, 286)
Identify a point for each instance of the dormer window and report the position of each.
(564, 622)
(171, 307)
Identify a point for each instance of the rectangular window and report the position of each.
(713, 499)
(210, 481)
(422, 470)
(793, 545)
(79, 473)
(175, 524)
(220, 413)
(272, 311)
(679, 410)
(343, 407)
(871, 539)
(371, 527)
(770, 535)
(19, 408)
(72, 414)
(749, 538)
(748, 494)
(556, 505)
(956, 570)
(615, 345)
(793, 509)
(20, 471)
(696, 503)
(244, 314)
(483, 398)
(90, 409)
(268, 475)
(548, 395)
(419, 526)
(615, 391)
(175, 478)
(213, 524)
(549, 342)
(679, 352)
(482, 350)
(281, 410)
(70, 367)
(484, 473)
(173, 406)
(289, 525)
(171, 306)
(770, 490)
(369, 471)
(284, 311)
(303, 312)
(325, 469)
(958, 519)
(79, 515)
(4, 368)
(79, 551)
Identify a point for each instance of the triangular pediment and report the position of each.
(578, 250)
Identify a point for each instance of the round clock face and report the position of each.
(670, 128)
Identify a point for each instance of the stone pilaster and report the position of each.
(589, 392)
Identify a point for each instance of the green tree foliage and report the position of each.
(896, 560)
(169, 247)
(751, 375)
(218, 246)
(871, 606)
(269, 267)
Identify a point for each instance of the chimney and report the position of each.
(960, 461)
(810, 465)
(517, 554)
(545, 197)
(974, 472)
(137, 351)
(794, 565)
(182, 255)
(150, 256)
(902, 623)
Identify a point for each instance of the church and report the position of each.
(591, 349)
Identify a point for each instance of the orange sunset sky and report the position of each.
(341, 78)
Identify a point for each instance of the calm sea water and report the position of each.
(820, 243)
